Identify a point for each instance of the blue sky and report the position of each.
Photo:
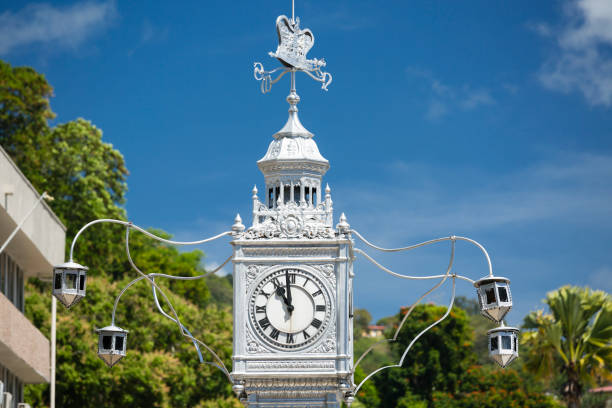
(490, 120)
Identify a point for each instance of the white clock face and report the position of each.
(290, 308)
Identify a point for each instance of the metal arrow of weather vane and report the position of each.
(293, 45)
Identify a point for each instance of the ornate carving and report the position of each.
(253, 346)
(328, 345)
(252, 272)
(291, 365)
(328, 271)
(290, 252)
(290, 220)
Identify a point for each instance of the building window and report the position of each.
(296, 193)
(11, 281)
(13, 385)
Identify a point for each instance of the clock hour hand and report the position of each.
(280, 291)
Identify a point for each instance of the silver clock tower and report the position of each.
(293, 269)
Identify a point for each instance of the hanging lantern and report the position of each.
(503, 344)
(69, 283)
(494, 297)
(111, 344)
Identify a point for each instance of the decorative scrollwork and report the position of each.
(293, 45)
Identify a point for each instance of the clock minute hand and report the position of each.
(288, 285)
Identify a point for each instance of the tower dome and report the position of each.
(293, 168)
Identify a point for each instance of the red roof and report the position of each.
(374, 327)
(607, 388)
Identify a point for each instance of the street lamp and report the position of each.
(111, 344)
(494, 297)
(503, 344)
(69, 283)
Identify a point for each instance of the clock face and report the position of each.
(290, 308)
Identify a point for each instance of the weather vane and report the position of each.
(293, 45)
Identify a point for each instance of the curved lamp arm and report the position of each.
(399, 275)
(450, 306)
(399, 328)
(433, 241)
(140, 229)
(220, 365)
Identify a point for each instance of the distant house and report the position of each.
(32, 252)
(607, 390)
(374, 331)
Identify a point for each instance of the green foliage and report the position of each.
(87, 177)
(575, 339)
(479, 326)
(435, 362)
(361, 321)
(484, 387)
(409, 400)
(24, 112)
(161, 368)
(221, 289)
(367, 395)
(595, 400)
(379, 356)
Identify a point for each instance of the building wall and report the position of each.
(34, 250)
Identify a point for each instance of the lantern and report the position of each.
(494, 297)
(503, 344)
(111, 344)
(69, 283)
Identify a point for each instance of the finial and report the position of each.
(238, 227)
(327, 189)
(254, 191)
(343, 226)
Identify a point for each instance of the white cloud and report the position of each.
(445, 98)
(44, 23)
(583, 59)
(475, 98)
(574, 189)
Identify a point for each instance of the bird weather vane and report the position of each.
(293, 45)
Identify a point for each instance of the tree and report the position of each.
(88, 179)
(574, 338)
(86, 176)
(161, 368)
(24, 112)
(361, 320)
(435, 362)
(488, 387)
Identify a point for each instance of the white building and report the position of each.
(32, 252)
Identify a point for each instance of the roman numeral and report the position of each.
(290, 339)
(264, 323)
(260, 309)
(291, 278)
(317, 293)
(316, 323)
(306, 335)
(305, 282)
(276, 282)
(267, 295)
(320, 308)
(274, 334)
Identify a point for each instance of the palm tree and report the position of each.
(574, 339)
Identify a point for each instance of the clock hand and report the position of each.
(280, 291)
(287, 283)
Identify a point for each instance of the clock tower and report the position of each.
(293, 282)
